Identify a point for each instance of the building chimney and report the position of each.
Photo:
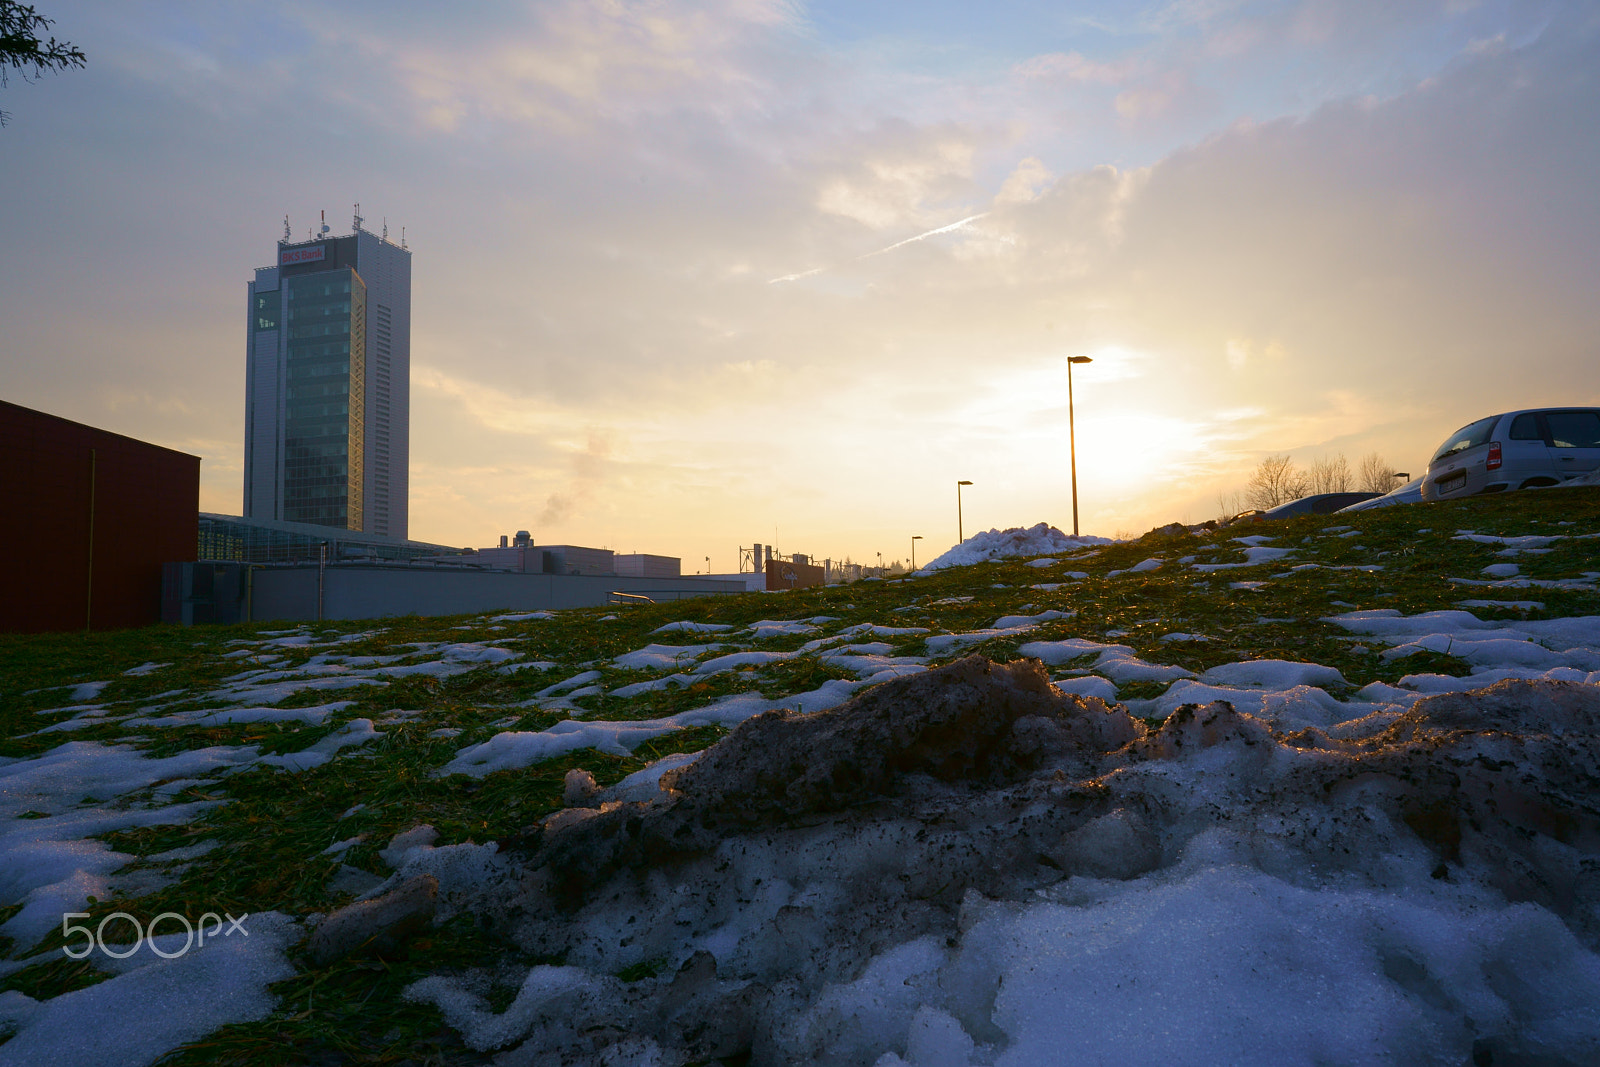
(503, 540)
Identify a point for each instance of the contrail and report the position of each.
(881, 251)
(796, 277)
(925, 236)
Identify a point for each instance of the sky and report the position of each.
(690, 276)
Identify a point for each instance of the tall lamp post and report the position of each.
(1072, 439)
(914, 539)
(959, 537)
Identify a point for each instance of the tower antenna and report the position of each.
(403, 239)
(358, 215)
(386, 227)
(325, 230)
(286, 227)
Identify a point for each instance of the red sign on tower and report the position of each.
(302, 255)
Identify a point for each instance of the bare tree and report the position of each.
(1375, 474)
(1276, 481)
(1329, 475)
(1229, 504)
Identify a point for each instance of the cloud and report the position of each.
(597, 195)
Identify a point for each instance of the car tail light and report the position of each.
(1493, 463)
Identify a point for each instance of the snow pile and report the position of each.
(971, 867)
(1040, 540)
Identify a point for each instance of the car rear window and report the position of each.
(1574, 429)
(1466, 437)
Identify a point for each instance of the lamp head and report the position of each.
(963, 483)
(1079, 359)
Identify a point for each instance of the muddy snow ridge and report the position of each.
(971, 866)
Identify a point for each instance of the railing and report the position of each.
(629, 598)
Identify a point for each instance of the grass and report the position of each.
(269, 838)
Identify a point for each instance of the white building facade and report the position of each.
(328, 384)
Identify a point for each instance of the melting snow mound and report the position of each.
(970, 866)
(1040, 540)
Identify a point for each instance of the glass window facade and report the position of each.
(267, 310)
(240, 540)
(325, 397)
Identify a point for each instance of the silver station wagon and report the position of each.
(1517, 450)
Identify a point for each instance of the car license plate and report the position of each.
(1452, 483)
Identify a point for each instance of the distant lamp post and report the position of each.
(1072, 439)
(914, 539)
(959, 537)
(708, 564)
(1404, 476)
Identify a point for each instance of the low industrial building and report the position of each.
(220, 592)
(256, 570)
(644, 565)
(90, 517)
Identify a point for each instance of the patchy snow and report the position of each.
(144, 668)
(1056, 653)
(944, 644)
(1439, 968)
(511, 750)
(311, 715)
(582, 678)
(784, 627)
(1274, 674)
(735, 660)
(671, 680)
(1019, 622)
(152, 1005)
(353, 733)
(656, 657)
(684, 626)
(1255, 554)
(881, 631)
(1151, 564)
(52, 865)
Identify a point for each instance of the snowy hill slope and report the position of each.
(1286, 833)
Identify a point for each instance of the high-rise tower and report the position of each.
(328, 383)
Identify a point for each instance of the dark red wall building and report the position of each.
(87, 518)
(784, 574)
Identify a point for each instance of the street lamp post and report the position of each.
(959, 537)
(914, 539)
(1072, 439)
